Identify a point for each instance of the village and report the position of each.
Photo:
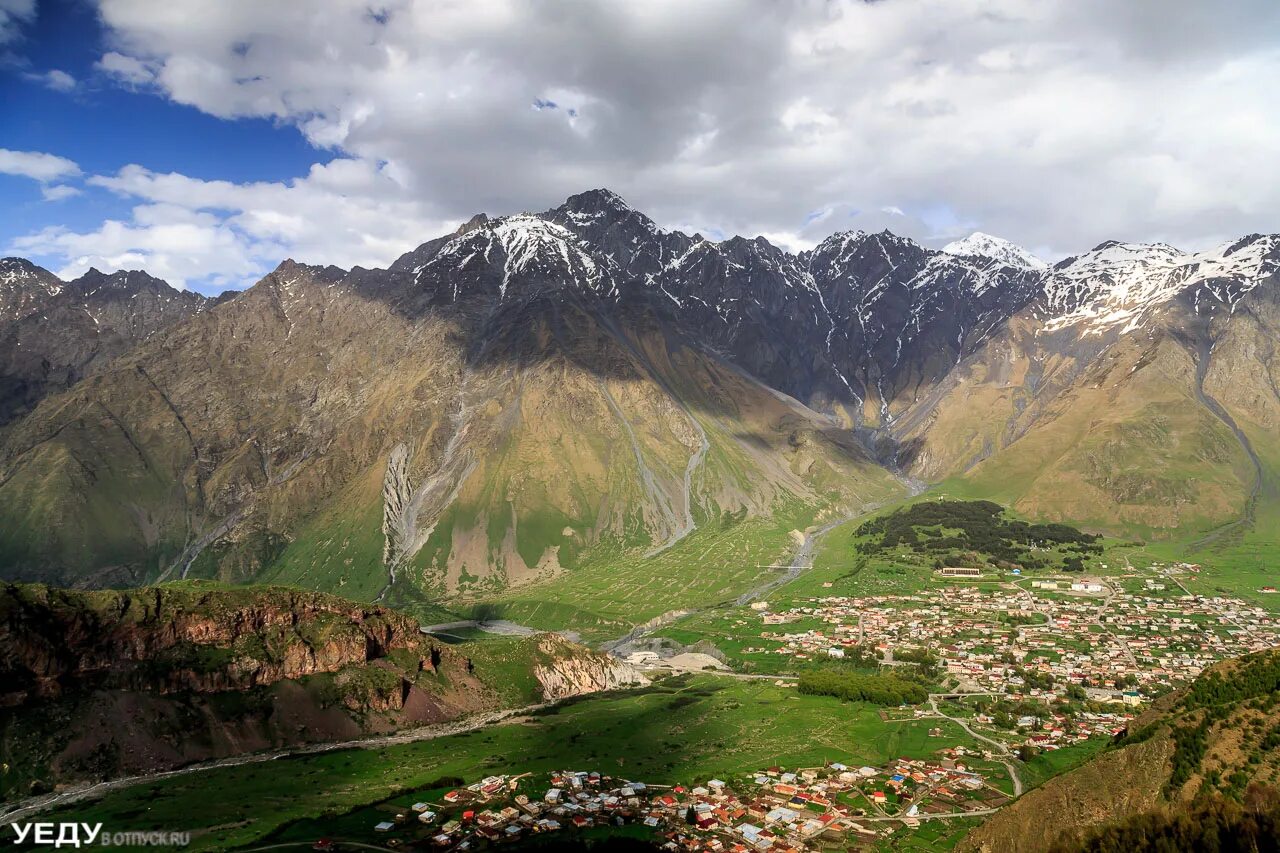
(772, 809)
(1106, 644)
(1037, 664)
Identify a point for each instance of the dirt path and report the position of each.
(23, 809)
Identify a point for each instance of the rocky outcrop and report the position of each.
(188, 637)
(566, 669)
(96, 685)
(52, 334)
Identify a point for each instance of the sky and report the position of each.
(205, 142)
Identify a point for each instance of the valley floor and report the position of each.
(1004, 655)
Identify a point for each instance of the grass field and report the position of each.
(1046, 765)
(609, 595)
(684, 730)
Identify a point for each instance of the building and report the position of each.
(959, 572)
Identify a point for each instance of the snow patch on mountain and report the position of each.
(1000, 250)
(1119, 285)
(23, 285)
(527, 246)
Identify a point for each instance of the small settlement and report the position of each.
(1043, 641)
(773, 809)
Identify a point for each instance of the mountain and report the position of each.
(24, 287)
(54, 333)
(537, 393)
(98, 685)
(979, 245)
(1219, 737)
(445, 433)
(1134, 393)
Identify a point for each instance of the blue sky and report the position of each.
(205, 141)
(103, 126)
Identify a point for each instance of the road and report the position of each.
(977, 813)
(1000, 747)
(22, 809)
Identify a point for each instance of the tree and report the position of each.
(691, 815)
(435, 659)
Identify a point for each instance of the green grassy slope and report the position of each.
(685, 731)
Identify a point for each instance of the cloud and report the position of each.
(36, 165)
(13, 14)
(55, 79)
(220, 234)
(59, 192)
(1056, 124)
(126, 69)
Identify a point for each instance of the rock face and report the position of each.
(95, 685)
(565, 669)
(199, 639)
(534, 392)
(54, 333)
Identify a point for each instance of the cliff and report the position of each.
(190, 636)
(100, 684)
(565, 669)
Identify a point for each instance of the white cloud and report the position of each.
(1056, 124)
(36, 165)
(55, 79)
(59, 192)
(126, 69)
(222, 234)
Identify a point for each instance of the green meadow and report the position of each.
(681, 730)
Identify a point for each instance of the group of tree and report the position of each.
(964, 531)
(1218, 824)
(1256, 675)
(887, 690)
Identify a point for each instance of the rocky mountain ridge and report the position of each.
(54, 333)
(513, 398)
(56, 640)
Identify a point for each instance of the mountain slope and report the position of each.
(52, 333)
(539, 393)
(432, 433)
(1108, 411)
(1217, 737)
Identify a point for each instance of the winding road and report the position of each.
(1000, 747)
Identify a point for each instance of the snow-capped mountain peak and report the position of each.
(996, 248)
(23, 285)
(1119, 284)
(513, 248)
